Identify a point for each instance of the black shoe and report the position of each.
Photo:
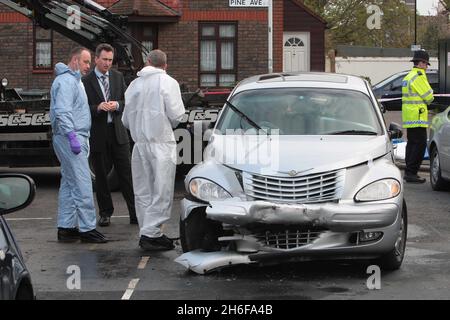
(156, 244)
(134, 220)
(413, 179)
(68, 234)
(104, 221)
(92, 236)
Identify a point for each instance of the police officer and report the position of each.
(416, 96)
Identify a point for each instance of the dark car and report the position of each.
(16, 192)
(391, 88)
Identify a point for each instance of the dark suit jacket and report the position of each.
(99, 119)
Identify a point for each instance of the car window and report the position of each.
(386, 82)
(432, 78)
(302, 111)
(3, 242)
(395, 86)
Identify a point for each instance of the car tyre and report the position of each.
(436, 180)
(198, 232)
(192, 230)
(393, 259)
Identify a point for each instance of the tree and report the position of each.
(431, 29)
(347, 20)
(445, 4)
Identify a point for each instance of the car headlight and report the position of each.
(206, 190)
(4, 82)
(379, 190)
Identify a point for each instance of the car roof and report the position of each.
(303, 80)
(407, 71)
(395, 76)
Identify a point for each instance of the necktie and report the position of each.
(105, 83)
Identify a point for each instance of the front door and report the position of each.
(296, 51)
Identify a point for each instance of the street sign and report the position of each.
(249, 3)
(415, 47)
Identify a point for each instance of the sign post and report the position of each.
(261, 4)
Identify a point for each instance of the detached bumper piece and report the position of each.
(204, 262)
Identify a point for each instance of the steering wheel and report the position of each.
(268, 125)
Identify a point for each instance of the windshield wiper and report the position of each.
(353, 132)
(245, 117)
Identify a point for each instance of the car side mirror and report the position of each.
(382, 107)
(395, 131)
(16, 192)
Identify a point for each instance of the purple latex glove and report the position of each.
(74, 143)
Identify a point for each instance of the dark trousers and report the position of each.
(415, 149)
(119, 156)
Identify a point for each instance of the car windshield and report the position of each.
(302, 111)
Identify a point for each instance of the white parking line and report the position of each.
(130, 290)
(143, 263)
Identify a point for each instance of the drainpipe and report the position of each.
(270, 31)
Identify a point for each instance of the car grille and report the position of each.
(288, 239)
(318, 187)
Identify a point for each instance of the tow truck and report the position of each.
(25, 131)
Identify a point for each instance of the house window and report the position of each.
(149, 39)
(147, 34)
(217, 54)
(43, 48)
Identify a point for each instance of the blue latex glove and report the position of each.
(75, 145)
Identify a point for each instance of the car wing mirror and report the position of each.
(395, 131)
(16, 192)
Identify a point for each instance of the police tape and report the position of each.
(400, 98)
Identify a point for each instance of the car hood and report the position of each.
(302, 154)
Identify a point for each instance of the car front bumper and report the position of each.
(339, 217)
(339, 222)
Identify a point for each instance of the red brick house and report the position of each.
(209, 42)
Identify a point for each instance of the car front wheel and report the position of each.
(394, 258)
(436, 180)
(198, 232)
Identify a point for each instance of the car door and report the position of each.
(393, 90)
(444, 152)
(5, 270)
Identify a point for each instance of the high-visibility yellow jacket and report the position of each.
(416, 95)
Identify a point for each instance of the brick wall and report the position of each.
(17, 56)
(179, 40)
(14, 51)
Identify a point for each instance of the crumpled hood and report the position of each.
(282, 154)
(61, 68)
(149, 71)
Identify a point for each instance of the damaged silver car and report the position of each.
(299, 167)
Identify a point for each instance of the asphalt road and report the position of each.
(120, 270)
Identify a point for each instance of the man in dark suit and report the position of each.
(109, 141)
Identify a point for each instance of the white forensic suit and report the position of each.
(153, 106)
